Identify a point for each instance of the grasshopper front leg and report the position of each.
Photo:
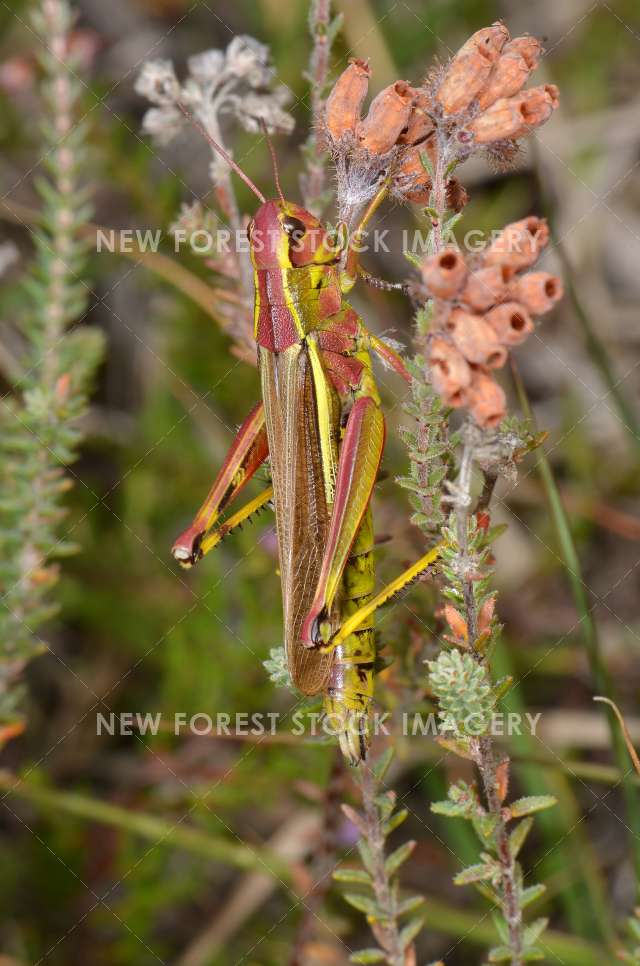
(247, 453)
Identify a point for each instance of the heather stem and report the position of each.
(314, 182)
(483, 749)
(511, 908)
(386, 932)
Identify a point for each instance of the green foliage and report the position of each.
(498, 868)
(38, 423)
(466, 572)
(431, 450)
(631, 954)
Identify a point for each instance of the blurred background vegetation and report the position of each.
(89, 878)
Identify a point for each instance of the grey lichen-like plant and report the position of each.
(394, 921)
(236, 85)
(39, 420)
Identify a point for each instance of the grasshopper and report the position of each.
(321, 426)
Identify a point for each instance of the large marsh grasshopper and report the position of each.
(321, 426)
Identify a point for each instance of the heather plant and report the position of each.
(57, 355)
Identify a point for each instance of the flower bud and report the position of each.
(486, 400)
(388, 116)
(444, 274)
(456, 622)
(476, 339)
(536, 106)
(499, 122)
(538, 292)
(484, 288)
(411, 177)
(528, 47)
(420, 125)
(469, 70)
(511, 323)
(515, 117)
(346, 99)
(456, 195)
(508, 77)
(518, 245)
(450, 373)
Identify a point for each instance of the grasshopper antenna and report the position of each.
(274, 160)
(221, 151)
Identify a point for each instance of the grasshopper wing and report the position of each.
(302, 420)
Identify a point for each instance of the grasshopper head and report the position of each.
(285, 235)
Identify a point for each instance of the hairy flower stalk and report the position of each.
(39, 419)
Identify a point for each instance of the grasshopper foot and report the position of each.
(186, 549)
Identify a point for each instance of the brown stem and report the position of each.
(484, 751)
(511, 908)
(386, 931)
(323, 861)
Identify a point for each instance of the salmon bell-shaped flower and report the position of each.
(412, 182)
(483, 308)
(519, 58)
(486, 400)
(485, 287)
(518, 245)
(476, 339)
(470, 69)
(538, 292)
(450, 372)
(444, 274)
(344, 104)
(420, 125)
(511, 323)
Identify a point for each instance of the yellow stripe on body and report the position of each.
(326, 420)
(360, 616)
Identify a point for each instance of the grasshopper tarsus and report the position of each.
(186, 549)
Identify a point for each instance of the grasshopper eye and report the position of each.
(294, 228)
